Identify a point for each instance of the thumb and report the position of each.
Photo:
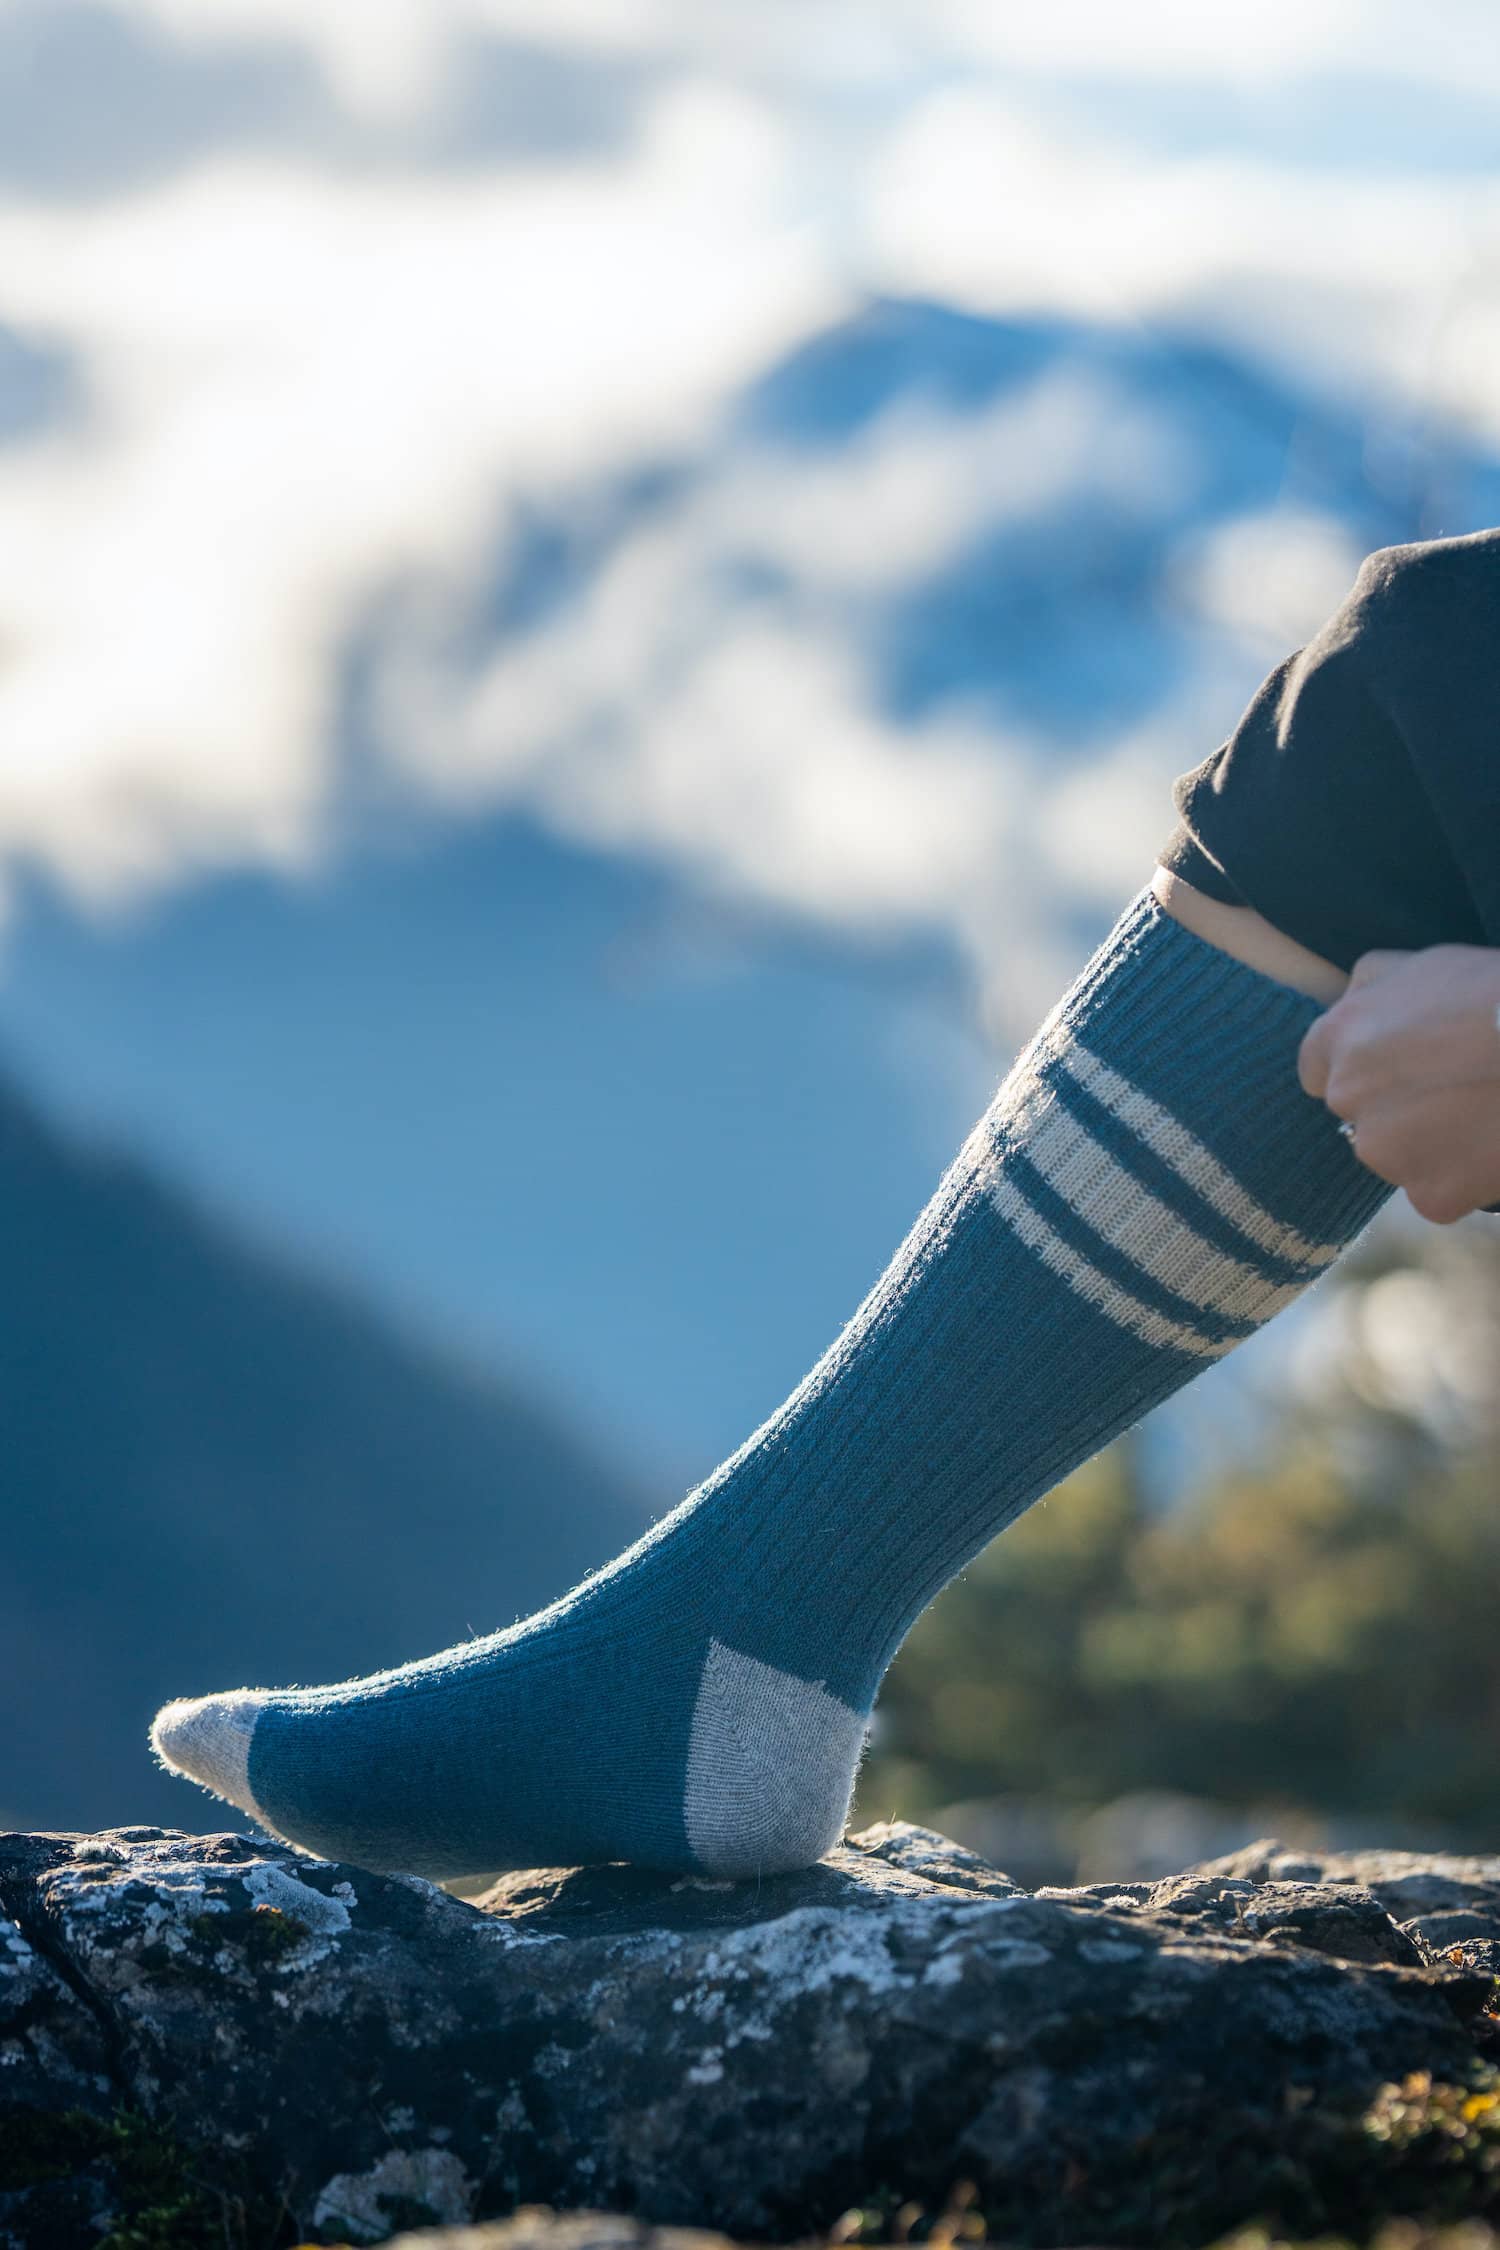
(1371, 967)
(1314, 1059)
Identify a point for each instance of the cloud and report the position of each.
(1264, 575)
(1450, 43)
(388, 55)
(386, 59)
(756, 766)
(98, 100)
(707, 697)
(300, 389)
(1349, 274)
(312, 388)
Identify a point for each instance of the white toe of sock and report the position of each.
(208, 1739)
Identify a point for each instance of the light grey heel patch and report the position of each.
(771, 1766)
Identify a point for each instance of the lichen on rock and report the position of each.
(1133, 2063)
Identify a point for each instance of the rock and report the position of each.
(56, 2075)
(1448, 1905)
(537, 2228)
(269, 2038)
(1347, 1923)
(588, 2230)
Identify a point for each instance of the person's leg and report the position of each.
(1249, 937)
(1147, 1187)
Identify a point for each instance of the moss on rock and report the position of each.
(150, 2188)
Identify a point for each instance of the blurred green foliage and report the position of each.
(1320, 1629)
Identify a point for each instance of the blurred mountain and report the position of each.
(218, 1470)
(1088, 558)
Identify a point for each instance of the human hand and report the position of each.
(1409, 1057)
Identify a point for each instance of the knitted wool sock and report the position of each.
(1149, 1184)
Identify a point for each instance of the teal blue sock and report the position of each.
(1149, 1184)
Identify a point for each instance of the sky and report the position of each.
(554, 731)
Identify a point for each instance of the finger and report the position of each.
(1347, 1090)
(1439, 1147)
(1371, 967)
(1382, 1150)
(1448, 1183)
(1315, 1055)
(1442, 1203)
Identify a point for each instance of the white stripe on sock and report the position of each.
(1138, 1224)
(1176, 1146)
(1128, 1311)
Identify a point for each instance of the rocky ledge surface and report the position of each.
(214, 2040)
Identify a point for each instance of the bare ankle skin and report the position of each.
(1250, 938)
